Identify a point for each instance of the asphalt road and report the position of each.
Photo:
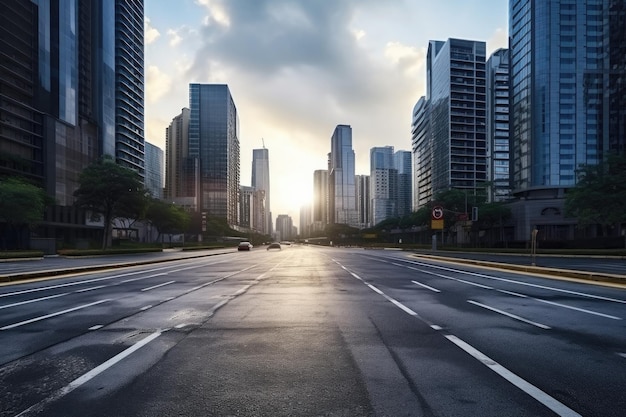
(310, 331)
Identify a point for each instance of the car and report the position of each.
(244, 246)
(274, 245)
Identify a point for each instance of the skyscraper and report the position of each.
(568, 101)
(320, 199)
(403, 165)
(456, 92)
(261, 182)
(129, 85)
(155, 167)
(363, 201)
(498, 141)
(341, 171)
(383, 184)
(214, 141)
(421, 143)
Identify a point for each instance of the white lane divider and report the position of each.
(426, 286)
(47, 316)
(513, 316)
(34, 300)
(158, 285)
(550, 402)
(37, 408)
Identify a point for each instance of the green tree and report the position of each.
(599, 196)
(22, 206)
(108, 190)
(167, 218)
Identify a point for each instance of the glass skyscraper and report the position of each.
(383, 184)
(261, 182)
(568, 102)
(341, 172)
(214, 141)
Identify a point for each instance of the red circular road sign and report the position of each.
(437, 213)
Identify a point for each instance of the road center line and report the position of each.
(34, 300)
(47, 316)
(550, 402)
(513, 316)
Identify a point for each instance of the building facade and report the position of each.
(320, 200)
(383, 184)
(341, 175)
(284, 227)
(568, 68)
(363, 203)
(214, 141)
(402, 161)
(261, 182)
(421, 147)
(457, 94)
(155, 170)
(498, 140)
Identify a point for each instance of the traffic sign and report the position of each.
(437, 213)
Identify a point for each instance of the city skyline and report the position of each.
(359, 64)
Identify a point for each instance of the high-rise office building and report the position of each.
(498, 141)
(341, 171)
(155, 166)
(246, 207)
(306, 220)
(363, 203)
(129, 84)
(383, 184)
(73, 72)
(214, 141)
(403, 165)
(421, 144)
(457, 99)
(320, 199)
(284, 227)
(261, 182)
(176, 154)
(568, 101)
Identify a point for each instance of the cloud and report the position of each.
(150, 33)
(175, 38)
(500, 39)
(157, 83)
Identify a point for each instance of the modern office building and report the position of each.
(568, 66)
(421, 147)
(129, 84)
(498, 140)
(261, 182)
(246, 207)
(363, 203)
(341, 172)
(306, 220)
(155, 170)
(383, 184)
(456, 93)
(403, 165)
(71, 91)
(177, 183)
(214, 141)
(284, 227)
(320, 200)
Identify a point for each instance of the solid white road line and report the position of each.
(90, 288)
(34, 300)
(513, 316)
(47, 316)
(159, 285)
(96, 327)
(550, 402)
(425, 286)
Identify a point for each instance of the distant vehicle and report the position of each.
(274, 245)
(285, 242)
(244, 246)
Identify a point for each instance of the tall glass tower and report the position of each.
(568, 102)
(261, 182)
(341, 177)
(383, 184)
(568, 72)
(129, 84)
(214, 140)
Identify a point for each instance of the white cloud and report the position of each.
(500, 39)
(151, 34)
(408, 58)
(157, 83)
(175, 38)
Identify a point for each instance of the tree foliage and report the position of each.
(599, 196)
(109, 190)
(21, 203)
(167, 218)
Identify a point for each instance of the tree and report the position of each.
(108, 190)
(599, 196)
(22, 206)
(167, 218)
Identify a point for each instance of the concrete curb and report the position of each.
(566, 273)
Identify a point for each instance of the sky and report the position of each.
(298, 68)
